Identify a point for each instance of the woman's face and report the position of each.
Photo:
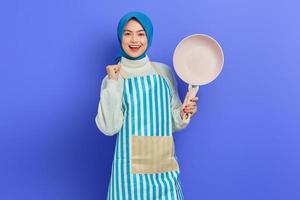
(134, 40)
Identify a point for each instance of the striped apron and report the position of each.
(145, 164)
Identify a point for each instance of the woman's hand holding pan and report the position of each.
(189, 106)
(113, 71)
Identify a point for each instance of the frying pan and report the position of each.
(198, 59)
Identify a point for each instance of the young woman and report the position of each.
(139, 102)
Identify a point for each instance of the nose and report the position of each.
(134, 38)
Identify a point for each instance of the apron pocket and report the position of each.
(152, 154)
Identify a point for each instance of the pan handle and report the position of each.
(193, 89)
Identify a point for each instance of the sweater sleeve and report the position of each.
(109, 118)
(177, 122)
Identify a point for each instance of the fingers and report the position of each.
(194, 99)
(190, 109)
(117, 68)
(113, 71)
(191, 106)
(113, 68)
(192, 102)
(188, 101)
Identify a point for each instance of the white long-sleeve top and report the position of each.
(110, 118)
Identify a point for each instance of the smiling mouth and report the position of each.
(134, 47)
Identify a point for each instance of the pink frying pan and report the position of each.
(198, 59)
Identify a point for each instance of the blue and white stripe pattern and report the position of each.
(147, 112)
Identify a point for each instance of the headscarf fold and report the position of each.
(146, 24)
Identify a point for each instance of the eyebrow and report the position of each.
(137, 31)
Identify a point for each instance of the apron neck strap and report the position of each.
(123, 73)
(160, 72)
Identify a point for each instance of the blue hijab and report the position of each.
(146, 24)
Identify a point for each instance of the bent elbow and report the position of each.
(104, 129)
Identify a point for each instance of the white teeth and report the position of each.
(134, 46)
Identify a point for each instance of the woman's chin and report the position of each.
(134, 55)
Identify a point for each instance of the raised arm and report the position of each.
(109, 118)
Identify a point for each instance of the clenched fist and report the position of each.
(113, 71)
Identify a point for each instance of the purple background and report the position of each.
(243, 143)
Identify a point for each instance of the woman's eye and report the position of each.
(141, 34)
(126, 33)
